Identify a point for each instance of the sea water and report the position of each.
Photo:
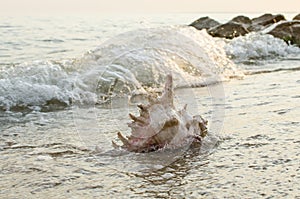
(67, 84)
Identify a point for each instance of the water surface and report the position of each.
(61, 149)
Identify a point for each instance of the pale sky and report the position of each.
(31, 7)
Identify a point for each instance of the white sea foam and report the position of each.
(124, 65)
(192, 56)
(259, 46)
(35, 84)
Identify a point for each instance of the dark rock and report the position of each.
(288, 31)
(204, 23)
(265, 20)
(242, 20)
(228, 30)
(268, 19)
(297, 17)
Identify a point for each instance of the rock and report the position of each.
(268, 19)
(204, 23)
(228, 30)
(265, 20)
(297, 17)
(240, 25)
(246, 21)
(288, 31)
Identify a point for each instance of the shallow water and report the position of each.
(256, 154)
(252, 150)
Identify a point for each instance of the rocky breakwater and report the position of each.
(276, 25)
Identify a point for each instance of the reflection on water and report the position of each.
(257, 154)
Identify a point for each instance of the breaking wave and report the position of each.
(128, 64)
(136, 62)
(259, 47)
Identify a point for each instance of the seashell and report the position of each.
(160, 125)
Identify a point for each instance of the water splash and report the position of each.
(256, 47)
(128, 64)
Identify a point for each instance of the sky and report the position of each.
(31, 7)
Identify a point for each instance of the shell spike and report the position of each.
(115, 145)
(142, 107)
(123, 139)
(184, 107)
(168, 94)
(160, 125)
(137, 119)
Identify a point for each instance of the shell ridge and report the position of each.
(160, 125)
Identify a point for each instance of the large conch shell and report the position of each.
(160, 125)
